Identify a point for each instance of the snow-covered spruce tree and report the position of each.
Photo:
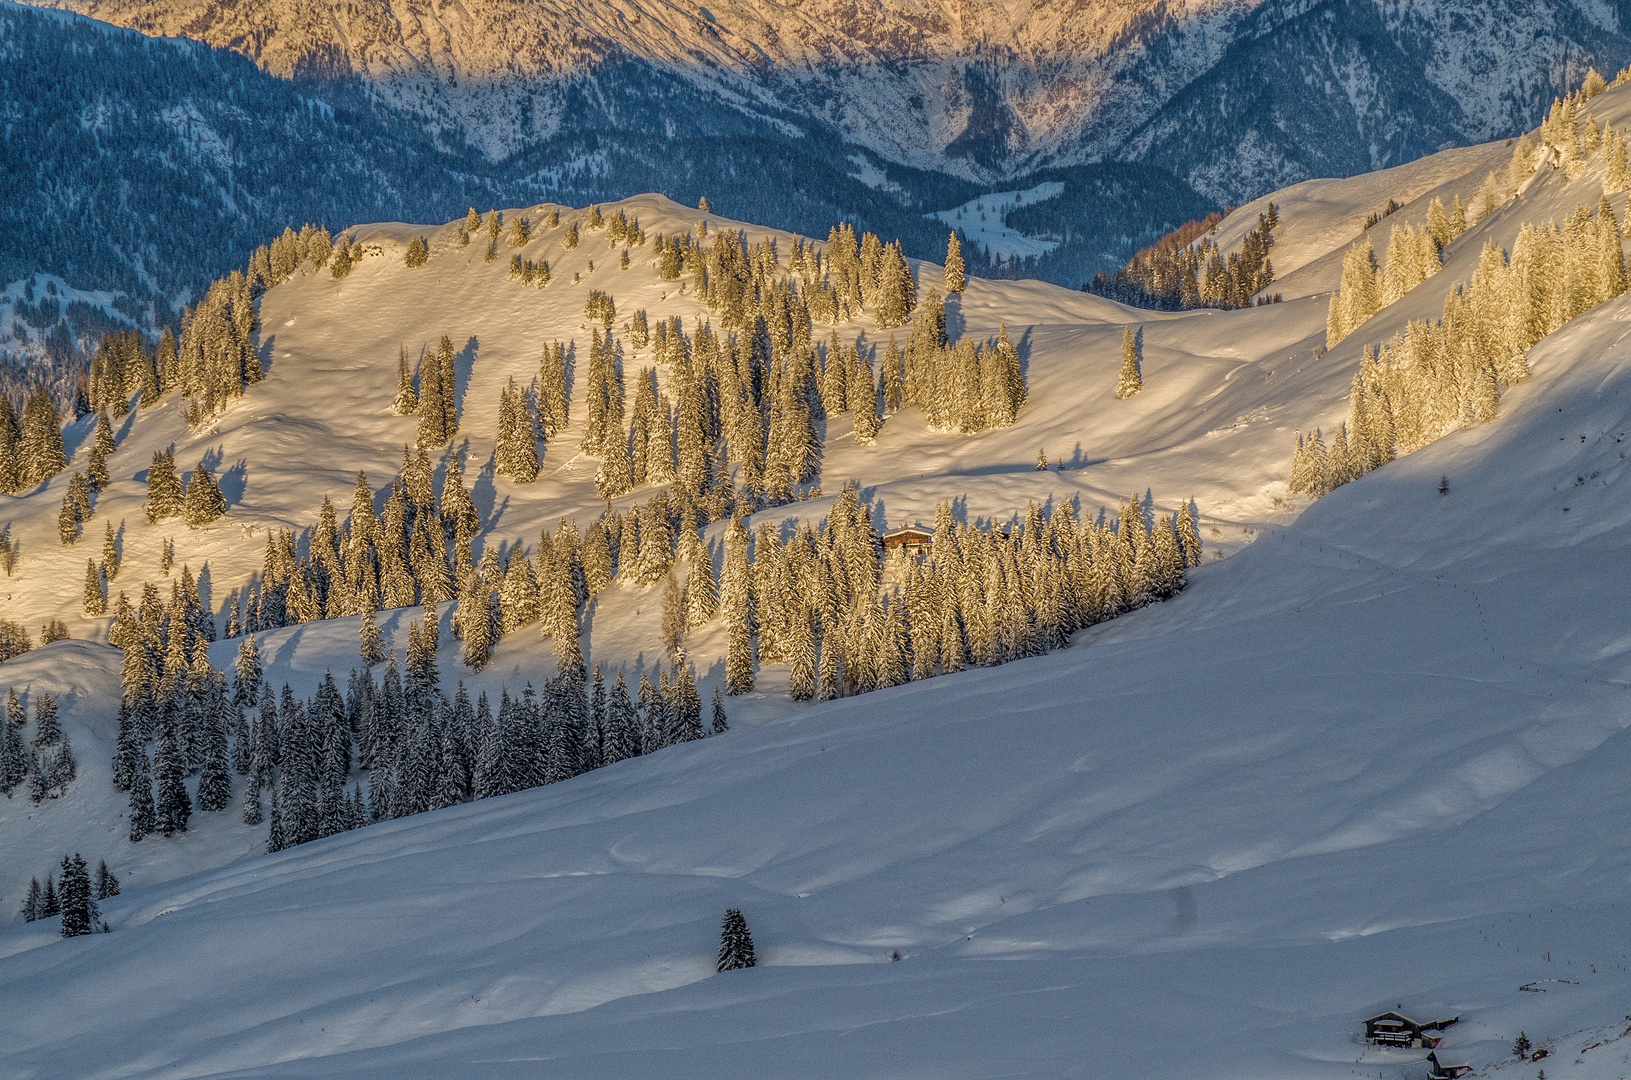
(1131, 379)
(371, 647)
(51, 763)
(143, 818)
(801, 658)
(1189, 537)
(406, 402)
(79, 911)
(164, 496)
(96, 469)
(683, 708)
(552, 391)
(1358, 297)
(516, 451)
(104, 884)
(275, 839)
(95, 602)
(40, 453)
(955, 281)
(203, 502)
(673, 618)
(111, 554)
(13, 756)
(10, 447)
(418, 253)
(172, 805)
(735, 943)
(476, 622)
(215, 781)
(701, 594)
(432, 411)
(721, 723)
(71, 517)
(50, 902)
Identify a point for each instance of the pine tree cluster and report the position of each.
(533, 272)
(214, 360)
(1186, 269)
(965, 386)
(74, 896)
(31, 449)
(817, 601)
(515, 451)
(47, 762)
(1412, 258)
(419, 749)
(740, 281)
(1437, 377)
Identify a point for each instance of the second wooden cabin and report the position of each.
(1397, 1029)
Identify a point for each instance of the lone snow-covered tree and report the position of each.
(955, 281)
(203, 502)
(1131, 380)
(418, 253)
(735, 943)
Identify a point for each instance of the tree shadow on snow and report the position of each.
(484, 489)
(263, 354)
(463, 362)
(233, 481)
(953, 308)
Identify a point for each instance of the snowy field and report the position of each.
(985, 222)
(1373, 756)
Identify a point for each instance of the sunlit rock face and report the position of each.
(1235, 96)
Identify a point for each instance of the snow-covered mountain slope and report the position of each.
(1213, 423)
(1225, 393)
(1372, 760)
(1236, 96)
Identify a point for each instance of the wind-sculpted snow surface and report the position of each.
(1373, 759)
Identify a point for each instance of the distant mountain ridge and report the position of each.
(159, 166)
(1234, 96)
